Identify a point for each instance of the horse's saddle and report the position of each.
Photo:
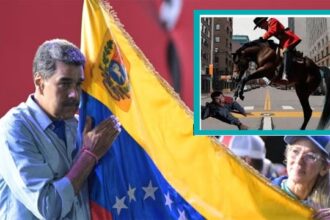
(297, 56)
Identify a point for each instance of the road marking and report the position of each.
(267, 123)
(275, 114)
(267, 115)
(287, 107)
(248, 108)
(267, 105)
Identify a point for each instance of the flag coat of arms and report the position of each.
(157, 168)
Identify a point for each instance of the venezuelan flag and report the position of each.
(157, 169)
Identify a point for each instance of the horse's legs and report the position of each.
(237, 90)
(303, 95)
(325, 117)
(259, 73)
(241, 89)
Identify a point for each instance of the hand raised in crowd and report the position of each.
(100, 139)
(322, 214)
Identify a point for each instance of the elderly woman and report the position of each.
(307, 160)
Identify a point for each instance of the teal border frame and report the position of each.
(197, 84)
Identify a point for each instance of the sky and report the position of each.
(245, 25)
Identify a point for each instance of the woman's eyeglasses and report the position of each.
(309, 157)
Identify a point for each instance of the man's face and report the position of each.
(59, 95)
(220, 99)
(264, 25)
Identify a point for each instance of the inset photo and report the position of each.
(261, 72)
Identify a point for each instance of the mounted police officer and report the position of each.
(288, 40)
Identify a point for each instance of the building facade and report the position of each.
(315, 35)
(240, 40)
(298, 26)
(318, 40)
(205, 44)
(216, 48)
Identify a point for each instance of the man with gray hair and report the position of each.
(43, 166)
(252, 150)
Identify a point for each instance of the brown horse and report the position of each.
(305, 75)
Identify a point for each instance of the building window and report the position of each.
(208, 34)
(209, 21)
(217, 27)
(204, 56)
(216, 50)
(217, 39)
(204, 42)
(216, 59)
(204, 29)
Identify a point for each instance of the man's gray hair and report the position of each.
(49, 52)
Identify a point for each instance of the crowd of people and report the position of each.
(307, 163)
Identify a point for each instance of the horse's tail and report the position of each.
(325, 117)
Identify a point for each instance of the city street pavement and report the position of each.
(269, 108)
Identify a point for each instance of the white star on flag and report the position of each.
(131, 193)
(182, 215)
(149, 191)
(168, 200)
(120, 204)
